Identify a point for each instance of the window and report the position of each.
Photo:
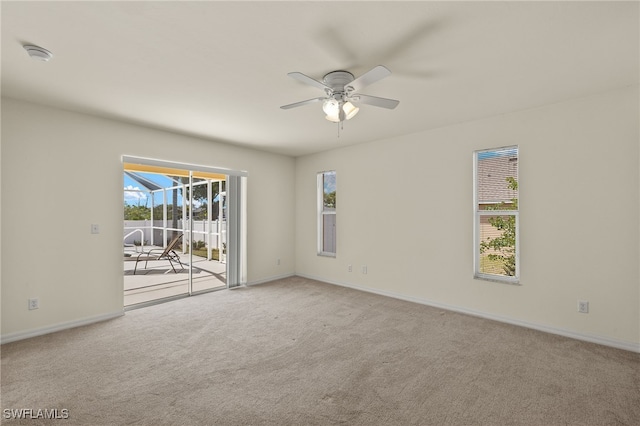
(327, 213)
(496, 245)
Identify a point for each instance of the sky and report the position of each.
(500, 152)
(136, 194)
(133, 197)
(329, 182)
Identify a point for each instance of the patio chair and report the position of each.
(167, 253)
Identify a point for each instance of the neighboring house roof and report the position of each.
(492, 179)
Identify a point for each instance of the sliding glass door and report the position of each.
(177, 240)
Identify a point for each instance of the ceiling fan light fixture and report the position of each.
(333, 110)
(331, 107)
(333, 118)
(350, 110)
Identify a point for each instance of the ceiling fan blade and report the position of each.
(375, 101)
(370, 77)
(308, 80)
(297, 104)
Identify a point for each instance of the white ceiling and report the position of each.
(218, 70)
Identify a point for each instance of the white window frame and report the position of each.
(322, 213)
(478, 214)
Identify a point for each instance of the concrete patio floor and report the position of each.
(159, 281)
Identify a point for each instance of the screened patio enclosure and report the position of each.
(184, 208)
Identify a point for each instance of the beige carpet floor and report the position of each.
(300, 352)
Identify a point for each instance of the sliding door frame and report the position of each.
(236, 219)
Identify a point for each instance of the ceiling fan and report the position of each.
(341, 92)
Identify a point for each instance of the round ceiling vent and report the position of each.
(37, 52)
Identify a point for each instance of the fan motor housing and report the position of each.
(338, 80)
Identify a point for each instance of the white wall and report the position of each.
(579, 212)
(67, 168)
(579, 178)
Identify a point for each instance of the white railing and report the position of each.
(134, 245)
(214, 236)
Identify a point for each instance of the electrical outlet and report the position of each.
(278, 262)
(364, 269)
(583, 306)
(349, 268)
(34, 304)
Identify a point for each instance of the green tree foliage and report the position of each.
(200, 194)
(330, 200)
(200, 191)
(136, 212)
(139, 212)
(157, 212)
(503, 246)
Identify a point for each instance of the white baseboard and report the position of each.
(20, 335)
(266, 280)
(606, 341)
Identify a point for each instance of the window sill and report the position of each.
(497, 279)
(326, 254)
